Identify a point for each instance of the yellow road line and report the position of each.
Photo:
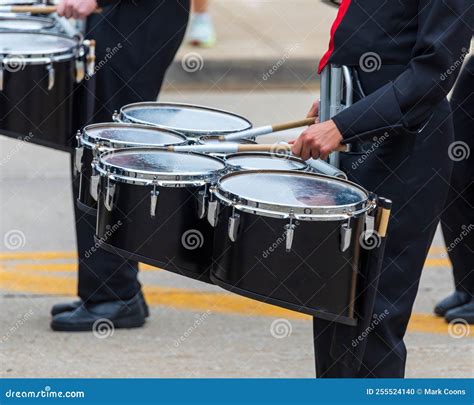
(224, 303)
(37, 255)
(434, 262)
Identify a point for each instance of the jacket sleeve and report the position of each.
(442, 43)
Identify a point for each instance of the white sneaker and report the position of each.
(201, 31)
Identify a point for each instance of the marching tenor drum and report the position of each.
(99, 138)
(190, 120)
(38, 73)
(152, 206)
(292, 239)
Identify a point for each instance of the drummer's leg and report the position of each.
(103, 276)
(457, 220)
(418, 191)
(127, 74)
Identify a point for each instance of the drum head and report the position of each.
(25, 23)
(298, 192)
(34, 44)
(160, 163)
(187, 119)
(130, 135)
(264, 161)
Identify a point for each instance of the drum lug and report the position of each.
(234, 222)
(80, 70)
(51, 76)
(1, 75)
(153, 201)
(115, 116)
(109, 196)
(213, 212)
(289, 235)
(346, 236)
(369, 226)
(202, 198)
(94, 186)
(78, 153)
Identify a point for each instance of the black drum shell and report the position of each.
(156, 241)
(28, 110)
(314, 278)
(85, 202)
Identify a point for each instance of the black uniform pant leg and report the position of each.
(103, 276)
(457, 220)
(413, 171)
(136, 46)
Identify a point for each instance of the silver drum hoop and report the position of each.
(45, 22)
(163, 179)
(330, 213)
(92, 142)
(75, 51)
(122, 116)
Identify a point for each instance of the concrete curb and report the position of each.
(242, 73)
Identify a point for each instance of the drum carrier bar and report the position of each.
(334, 81)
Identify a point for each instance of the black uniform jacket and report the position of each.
(415, 47)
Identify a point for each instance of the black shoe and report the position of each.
(92, 317)
(65, 307)
(463, 313)
(71, 306)
(456, 299)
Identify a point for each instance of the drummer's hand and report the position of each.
(77, 9)
(317, 141)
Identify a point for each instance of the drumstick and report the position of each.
(34, 9)
(236, 147)
(267, 129)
